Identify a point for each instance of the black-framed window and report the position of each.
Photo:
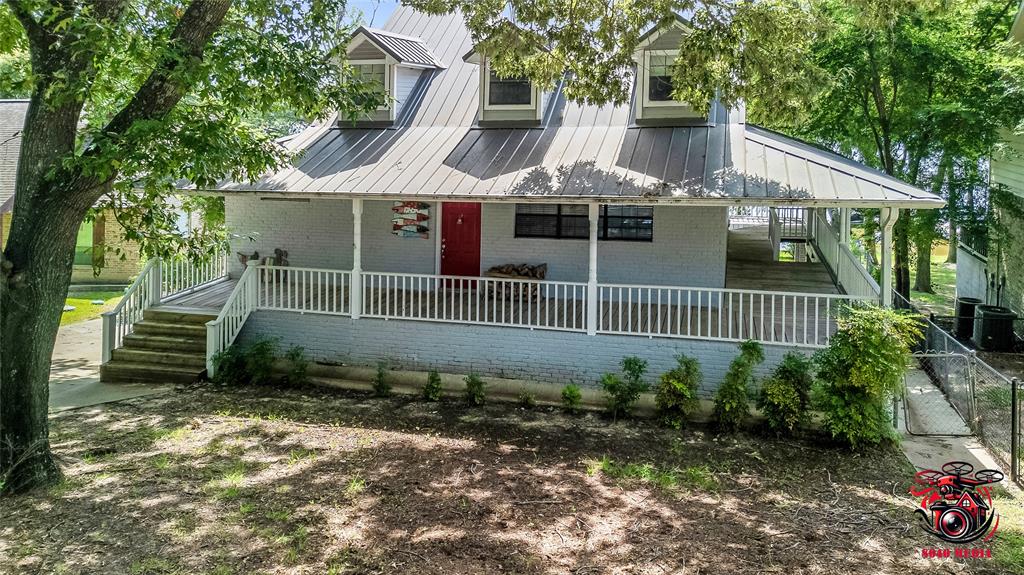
(509, 91)
(659, 79)
(570, 221)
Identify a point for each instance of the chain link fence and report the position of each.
(954, 393)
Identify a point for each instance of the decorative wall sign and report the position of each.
(410, 219)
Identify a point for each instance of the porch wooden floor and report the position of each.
(783, 319)
(750, 266)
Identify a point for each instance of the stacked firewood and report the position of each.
(520, 271)
(515, 290)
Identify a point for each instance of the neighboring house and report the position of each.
(986, 270)
(93, 237)
(481, 224)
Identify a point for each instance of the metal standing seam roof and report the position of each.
(579, 152)
(404, 49)
(12, 121)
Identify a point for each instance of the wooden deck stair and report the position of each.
(167, 346)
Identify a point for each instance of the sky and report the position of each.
(375, 12)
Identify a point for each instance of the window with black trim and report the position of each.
(516, 91)
(659, 82)
(569, 221)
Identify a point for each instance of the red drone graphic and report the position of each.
(956, 503)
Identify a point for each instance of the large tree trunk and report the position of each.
(901, 259)
(37, 269)
(923, 266)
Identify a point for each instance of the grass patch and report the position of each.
(85, 309)
(355, 486)
(1008, 544)
(153, 566)
(694, 477)
(943, 284)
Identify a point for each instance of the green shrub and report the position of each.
(861, 372)
(785, 396)
(731, 401)
(253, 364)
(527, 400)
(298, 366)
(622, 393)
(571, 398)
(475, 390)
(432, 390)
(677, 392)
(381, 385)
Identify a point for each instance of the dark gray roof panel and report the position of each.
(404, 49)
(578, 152)
(12, 121)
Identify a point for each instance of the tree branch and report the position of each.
(165, 86)
(37, 35)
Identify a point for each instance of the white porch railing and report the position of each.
(477, 300)
(139, 296)
(303, 290)
(805, 319)
(745, 216)
(790, 223)
(222, 331)
(158, 281)
(180, 275)
(849, 272)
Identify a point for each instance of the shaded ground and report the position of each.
(943, 297)
(278, 481)
(85, 309)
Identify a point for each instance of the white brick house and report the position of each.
(660, 229)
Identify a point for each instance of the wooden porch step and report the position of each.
(131, 372)
(175, 314)
(141, 341)
(188, 330)
(191, 361)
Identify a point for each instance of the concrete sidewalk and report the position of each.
(949, 439)
(75, 371)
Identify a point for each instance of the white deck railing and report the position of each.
(139, 296)
(180, 275)
(805, 319)
(791, 223)
(800, 319)
(158, 281)
(849, 272)
(746, 216)
(477, 300)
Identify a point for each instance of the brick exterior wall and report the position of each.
(689, 247)
(115, 270)
(545, 356)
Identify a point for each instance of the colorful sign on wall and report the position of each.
(410, 219)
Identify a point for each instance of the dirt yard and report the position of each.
(243, 481)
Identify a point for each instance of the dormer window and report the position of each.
(509, 92)
(659, 77)
(375, 73)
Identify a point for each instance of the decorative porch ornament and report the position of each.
(410, 219)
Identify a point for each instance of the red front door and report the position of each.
(460, 239)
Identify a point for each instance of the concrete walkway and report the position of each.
(75, 371)
(929, 412)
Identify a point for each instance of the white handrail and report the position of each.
(222, 331)
(180, 275)
(120, 321)
(850, 274)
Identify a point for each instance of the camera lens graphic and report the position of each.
(955, 523)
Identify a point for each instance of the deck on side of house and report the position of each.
(750, 266)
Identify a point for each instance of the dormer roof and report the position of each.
(650, 36)
(406, 50)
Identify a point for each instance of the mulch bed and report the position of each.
(239, 481)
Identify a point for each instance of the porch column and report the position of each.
(887, 220)
(593, 217)
(844, 226)
(356, 289)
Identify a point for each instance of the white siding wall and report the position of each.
(971, 275)
(405, 80)
(689, 247)
(1008, 169)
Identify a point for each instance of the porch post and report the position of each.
(887, 220)
(594, 215)
(844, 226)
(356, 289)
